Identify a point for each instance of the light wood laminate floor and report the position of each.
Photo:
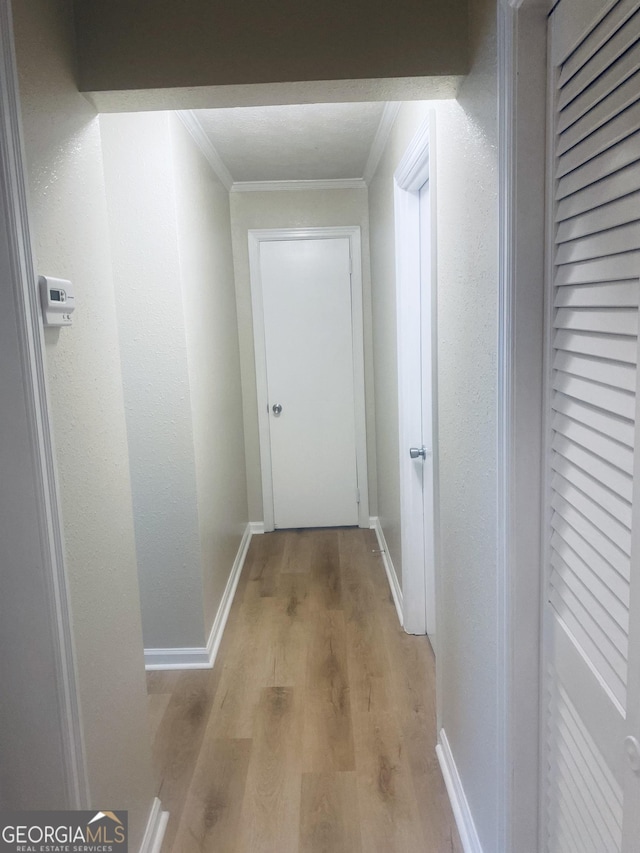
(315, 730)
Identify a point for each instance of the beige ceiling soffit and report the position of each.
(279, 186)
(270, 94)
(387, 119)
(190, 121)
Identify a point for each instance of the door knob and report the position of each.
(415, 452)
(277, 408)
(632, 748)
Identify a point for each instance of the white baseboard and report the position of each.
(257, 527)
(392, 577)
(461, 812)
(204, 657)
(219, 623)
(156, 826)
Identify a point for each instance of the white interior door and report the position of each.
(416, 401)
(591, 786)
(306, 296)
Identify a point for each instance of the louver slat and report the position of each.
(614, 45)
(619, 429)
(579, 152)
(614, 294)
(606, 320)
(612, 452)
(601, 218)
(597, 39)
(616, 173)
(623, 238)
(618, 100)
(590, 172)
(572, 108)
(616, 374)
(618, 348)
(597, 491)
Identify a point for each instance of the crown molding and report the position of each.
(190, 121)
(279, 186)
(413, 170)
(387, 119)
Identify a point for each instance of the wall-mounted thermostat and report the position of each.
(58, 301)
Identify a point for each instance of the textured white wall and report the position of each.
(467, 392)
(142, 217)
(32, 762)
(213, 356)
(467, 297)
(294, 209)
(69, 218)
(171, 239)
(385, 353)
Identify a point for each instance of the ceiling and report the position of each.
(293, 143)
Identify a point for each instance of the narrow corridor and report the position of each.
(315, 731)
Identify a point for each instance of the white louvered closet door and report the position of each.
(591, 787)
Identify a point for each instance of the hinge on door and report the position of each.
(350, 265)
(357, 496)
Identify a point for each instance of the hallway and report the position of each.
(316, 729)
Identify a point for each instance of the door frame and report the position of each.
(29, 363)
(522, 114)
(418, 539)
(256, 237)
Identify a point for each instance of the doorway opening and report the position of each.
(306, 289)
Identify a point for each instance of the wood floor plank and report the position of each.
(157, 704)
(316, 729)
(211, 815)
(178, 741)
(325, 570)
(294, 590)
(247, 668)
(388, 807)
(264, 573)
(265, 564)
(328, 729)
(366, 652)
(271, 807)
(162, 680)
(415, 711)
(329, 815)
(290, 645)
(298, 552)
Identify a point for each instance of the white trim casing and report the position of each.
(280, 186)
(155, 830)
(204, 657)
(22, 290)
(461, 811)
(255, 237)
(387, 119)
(413, 170)
(192, 124)
(521, 145)
(392, 577)
(256, 527)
